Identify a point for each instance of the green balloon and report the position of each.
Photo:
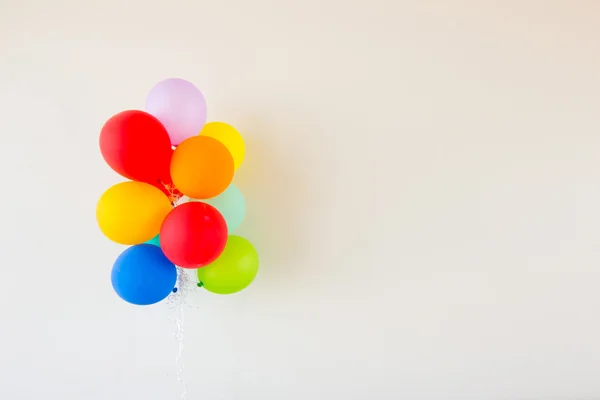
(155, 241)
(234, 270)
(231, 205)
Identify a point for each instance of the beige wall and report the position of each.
(422, 179)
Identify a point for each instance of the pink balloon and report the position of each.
(179, 106)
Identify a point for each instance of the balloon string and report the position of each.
(178, 301)
(180, 337)
(173, 194)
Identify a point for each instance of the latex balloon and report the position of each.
(137, 146)
(180, 106)
(131, 212)
(230, 137)
(234, 270)
(231, 205)
(193, 234)
(142, 275)
(154, 241)
(201, 167)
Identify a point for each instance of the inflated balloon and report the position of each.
(230, 137)
(167, 152)
(180, 106)
(234, 270)
(137, 146)
(142, 275)
(132, 212)
(231, 205)
(154, 241)
(201, 167)
(193, 235)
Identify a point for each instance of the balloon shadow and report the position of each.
(278, 204)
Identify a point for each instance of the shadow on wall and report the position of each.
(278, 201)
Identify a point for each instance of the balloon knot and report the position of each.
(174, 290)
(200, 284)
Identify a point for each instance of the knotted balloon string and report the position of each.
(172, 192)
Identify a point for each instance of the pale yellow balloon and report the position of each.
(230, 137)
(132, 212)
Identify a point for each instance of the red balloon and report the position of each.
(137, 146)
(193, 235)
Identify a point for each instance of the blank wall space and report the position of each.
(422, 186)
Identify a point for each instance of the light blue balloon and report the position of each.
(232, 206)
(155, 241)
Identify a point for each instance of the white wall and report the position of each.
(423, 186)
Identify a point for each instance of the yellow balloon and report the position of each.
(230, 137)
(132, 212)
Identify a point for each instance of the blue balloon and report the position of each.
(155, 241)
(231, 205)
(142, 275)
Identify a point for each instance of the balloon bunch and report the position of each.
(178, 207)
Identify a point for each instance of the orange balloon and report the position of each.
(201, 167)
